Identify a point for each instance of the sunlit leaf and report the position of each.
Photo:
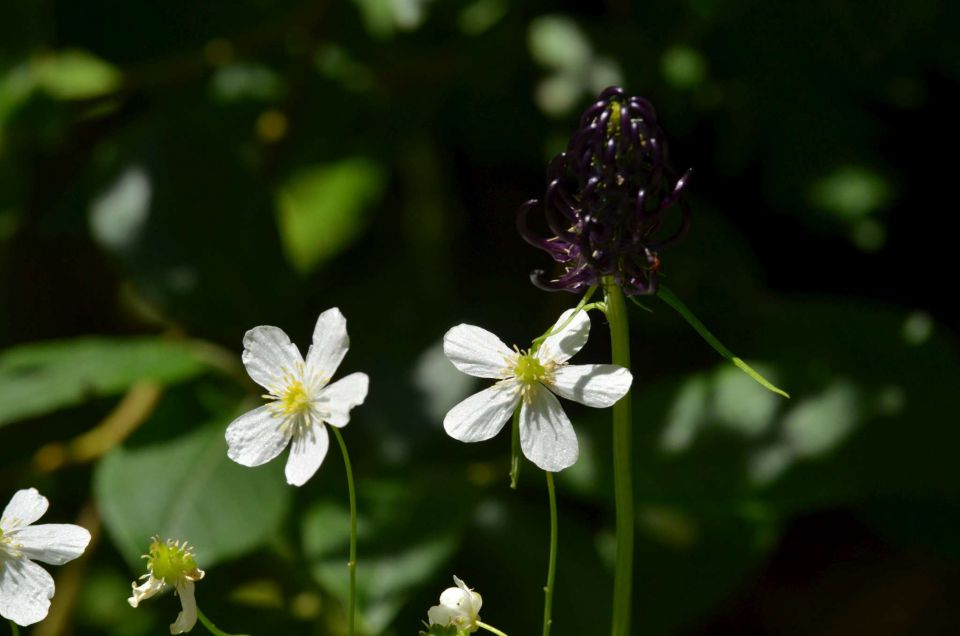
(188, 489)
(323, 208)
(41, 377)
(74, 74)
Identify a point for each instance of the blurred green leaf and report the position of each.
(41, 377)
(188, 489)
(74, 74)
(323, 208)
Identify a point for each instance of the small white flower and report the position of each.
(301, 397)
(459, 606)
(546, 435)
(25, 587)
(170, 564)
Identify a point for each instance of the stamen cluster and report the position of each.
(606, 199)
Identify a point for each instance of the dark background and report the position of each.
(172, 174)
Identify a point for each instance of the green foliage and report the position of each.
(188, 489)
(38, 378)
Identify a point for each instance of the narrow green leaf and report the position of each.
(668, 297)
(188, 489)
(41, 377)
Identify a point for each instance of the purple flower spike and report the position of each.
(607, 197)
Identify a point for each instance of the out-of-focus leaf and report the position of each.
(41, 377)
(323, 208)
(188, 489)
(74, 74)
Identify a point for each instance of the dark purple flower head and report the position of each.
(606, 199)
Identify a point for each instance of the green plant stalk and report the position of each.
(490, 628)
(552, 568)
(213, 629)
(616, 310)
(515, 449)
(14, 629)
(352, 563)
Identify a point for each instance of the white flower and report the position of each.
(459, 606)
(546, 435)
(25, 587)
(171, 564)
(301, 397)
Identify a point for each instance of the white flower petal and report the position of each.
(330, 344)
(597, 385)
(256, 437)
(483, 414)
(569, 337)
(25, 591)
(546, 435)
(24, 508)
(187, 618)
(474, 600)
(306, 453)
(441, 615)
(145, 590)
(335, 400)
(476, 351)
(53, 543)
(269, 357)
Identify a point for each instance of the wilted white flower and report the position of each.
(459, 606)
(301, 396)
(531, 377)
(171, 564)
(25, 587)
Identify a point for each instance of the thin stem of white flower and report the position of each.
(490, 628)
(352, 564)
(515, 449)
(213, 629)
(552, 568)
(14, 629)
(581, 306)
(622, 468)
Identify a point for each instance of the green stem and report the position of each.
(515, 449)
(14, 629)
(552, 568)
(352, 564)
(213, 629)
(622, 469)
(490, 628)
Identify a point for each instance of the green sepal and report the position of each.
(440, 630)
(668, 297)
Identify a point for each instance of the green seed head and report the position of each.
(529, 369)
(169, 561)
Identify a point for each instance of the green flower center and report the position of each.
(295, 399)
(529, 369)
(169, 561)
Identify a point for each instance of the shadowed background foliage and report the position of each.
(172, 174)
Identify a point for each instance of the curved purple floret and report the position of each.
(606, 200)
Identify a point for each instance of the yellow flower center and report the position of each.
(294, 399)
(528, 369)
(168, 560)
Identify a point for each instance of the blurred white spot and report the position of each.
(687, 412)
(740, 404)
(917, 328)
(819, 424)
(851, 192)
(246, 81)
(683, 66)
(490, 514)
(118, 216)
(440, 382)
(769, 463)
(556, 42)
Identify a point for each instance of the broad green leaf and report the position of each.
(188, 489)
(670, 298)
(75, 74)
(41, 377)
(322, 209)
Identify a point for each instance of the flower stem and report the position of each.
(552, 568)
(213, 629)
(490, 628)
(14, 629)
(622, 469)
(515, 449)
(352, 563)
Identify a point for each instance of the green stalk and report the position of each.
(213, 629)
(490, 628)
(14, 629)
(352, 563)
(552, 568)
(515, 449)
(622, 469)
